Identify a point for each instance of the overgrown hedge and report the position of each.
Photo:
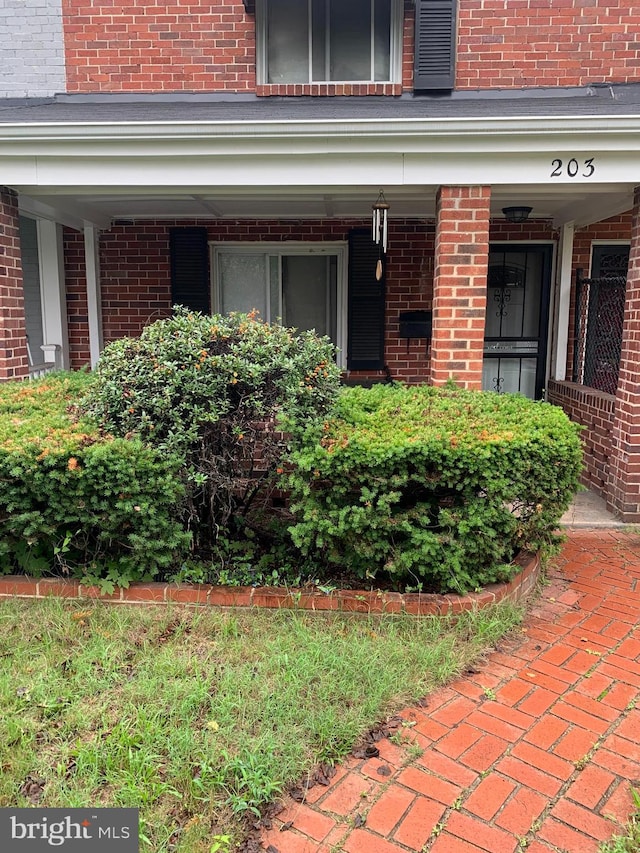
(423, 488)
(82, 503)
(436, 488)
(217, 391)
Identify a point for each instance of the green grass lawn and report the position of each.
(198, 717)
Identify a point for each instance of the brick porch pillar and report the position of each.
(460, 285)
(14, 363)
(624, 462)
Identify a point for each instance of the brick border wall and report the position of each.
(345, 601)
(595, 410)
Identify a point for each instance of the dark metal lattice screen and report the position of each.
(598, 319)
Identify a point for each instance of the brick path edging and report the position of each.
(351, 601)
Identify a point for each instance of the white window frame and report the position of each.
(395, 58)
(286, 249)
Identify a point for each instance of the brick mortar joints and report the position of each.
(525, 840)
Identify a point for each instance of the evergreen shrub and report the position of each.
(433, 488)
(218, 391)
(79, 502)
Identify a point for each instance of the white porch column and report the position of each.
(563, 277)
(52, 286)
(94, 303)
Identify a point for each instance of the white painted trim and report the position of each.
(525, 128)
(293, 247)
(564, 275)
(52, 289)
(551, 327)
(94, 302)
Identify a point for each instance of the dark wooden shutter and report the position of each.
(365, 347)
(190, 286)
(435, 51)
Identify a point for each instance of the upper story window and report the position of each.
(329, 41)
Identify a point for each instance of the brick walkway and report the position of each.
(535, 751)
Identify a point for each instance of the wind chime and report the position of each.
(380, 218)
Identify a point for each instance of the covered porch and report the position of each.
(122, 217)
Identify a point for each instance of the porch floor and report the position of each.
(589, 510)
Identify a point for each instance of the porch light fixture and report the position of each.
(516, 214)
(379, 225)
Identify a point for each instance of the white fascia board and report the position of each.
(408, 152)
(85, 174)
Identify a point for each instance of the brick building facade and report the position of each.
(227, 155)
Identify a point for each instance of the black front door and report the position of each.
(515, 343)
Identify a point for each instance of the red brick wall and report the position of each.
(14, 363)
(134, 46)
(135, 277)
(501, 231)
(76, 291)
(129, 46)
(460, 285)
(521, 43)
(595, 411)
(624, 471)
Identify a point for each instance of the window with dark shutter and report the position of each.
(365, 349)
(435, 44)
(189, 251)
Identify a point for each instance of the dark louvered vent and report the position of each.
(190, 268)
(435, 57)
(365, 349)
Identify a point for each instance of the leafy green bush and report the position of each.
(217, 391)
(71, 499)
(435, 488)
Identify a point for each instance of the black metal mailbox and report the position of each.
(415, 324)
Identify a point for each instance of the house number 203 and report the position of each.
(573, 168)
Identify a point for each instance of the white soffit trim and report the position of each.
(66, 213)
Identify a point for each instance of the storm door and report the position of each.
(515, 342)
